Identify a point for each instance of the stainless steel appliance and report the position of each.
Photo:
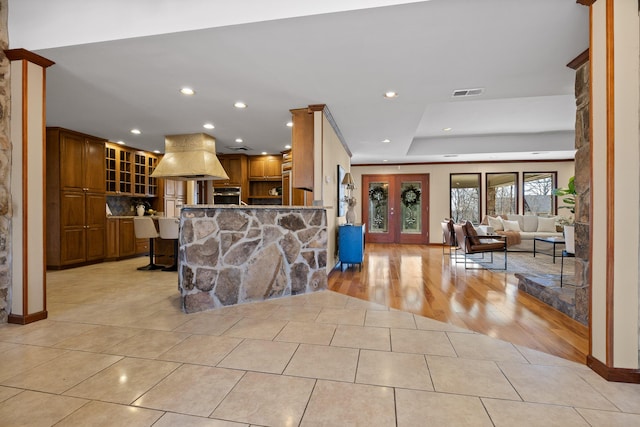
(227, 195)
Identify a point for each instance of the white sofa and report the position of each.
(528, 226)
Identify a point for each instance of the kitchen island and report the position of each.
(237, 254)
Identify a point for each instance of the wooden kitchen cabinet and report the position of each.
(127, 238)
(113, 238)
(265, 168)
(118, 169)
(76, 200)
(302, 149)
(80, 160)
(294, 196)
(265, 174)
(172, 196)
(122, 242)
(144, 163)
(235, 165)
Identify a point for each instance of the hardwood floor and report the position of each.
(418, 279)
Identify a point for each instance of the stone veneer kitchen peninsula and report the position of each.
(237, 254)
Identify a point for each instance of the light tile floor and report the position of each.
(117, 351)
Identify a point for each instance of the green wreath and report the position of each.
(378, 194)
(410, 196)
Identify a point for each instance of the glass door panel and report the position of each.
(411, 203)
(378, 207)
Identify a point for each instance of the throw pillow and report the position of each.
(516, 217)
(510, 225)
(546, 225)
(471, 233)
(495, 223)
(530, 223)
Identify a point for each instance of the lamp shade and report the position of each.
(348, 180)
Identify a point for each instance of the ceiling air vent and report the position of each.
(238, 147)
(467, 92)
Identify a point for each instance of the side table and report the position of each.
(553, 240)
(351, 244)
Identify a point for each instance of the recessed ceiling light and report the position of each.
(187, 91)
(450, 155)
(239, 140)
(386, 141)
(385, 160)
(290, 124)
(447, 129)
(208, 126)
(136, 131)
(287, 146)
(264, 153)
(121, 142)
(156, 151)
(390, 94)
(240, 104)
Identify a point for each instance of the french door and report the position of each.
(395, 208)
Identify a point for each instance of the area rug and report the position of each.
(523, 262)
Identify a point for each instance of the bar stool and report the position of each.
(144, 228)
(169, 229)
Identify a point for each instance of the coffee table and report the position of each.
(552, 240)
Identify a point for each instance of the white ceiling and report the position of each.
(116, 70)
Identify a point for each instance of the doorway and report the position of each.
(395, 208)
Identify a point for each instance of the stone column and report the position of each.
(28, 166)
(582, 182)
(5, 170)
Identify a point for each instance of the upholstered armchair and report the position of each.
(470, 243)
(448, 237)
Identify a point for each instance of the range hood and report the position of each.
(190, 157)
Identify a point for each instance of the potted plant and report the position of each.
(568, 195)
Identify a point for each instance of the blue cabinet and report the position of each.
(351, 244)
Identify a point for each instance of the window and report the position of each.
(465, 197)
(537, 193)
(502, 193)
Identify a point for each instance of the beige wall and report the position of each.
(439, 183)
(326, 187)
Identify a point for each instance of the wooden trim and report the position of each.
(586, 2)
(24, 54)
(316, 107)
(96, 138)
(486, 187)
(555, 185)
(622, 375)
(331, 120)
(589, 269)
(610, 277)
(26, 319)
(25, 192)
(44, 189)
(479, 175)
(464, 163)
(579, 60)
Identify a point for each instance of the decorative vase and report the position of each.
(140, 210)
(351, 215)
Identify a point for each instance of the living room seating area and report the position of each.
(521, 230)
